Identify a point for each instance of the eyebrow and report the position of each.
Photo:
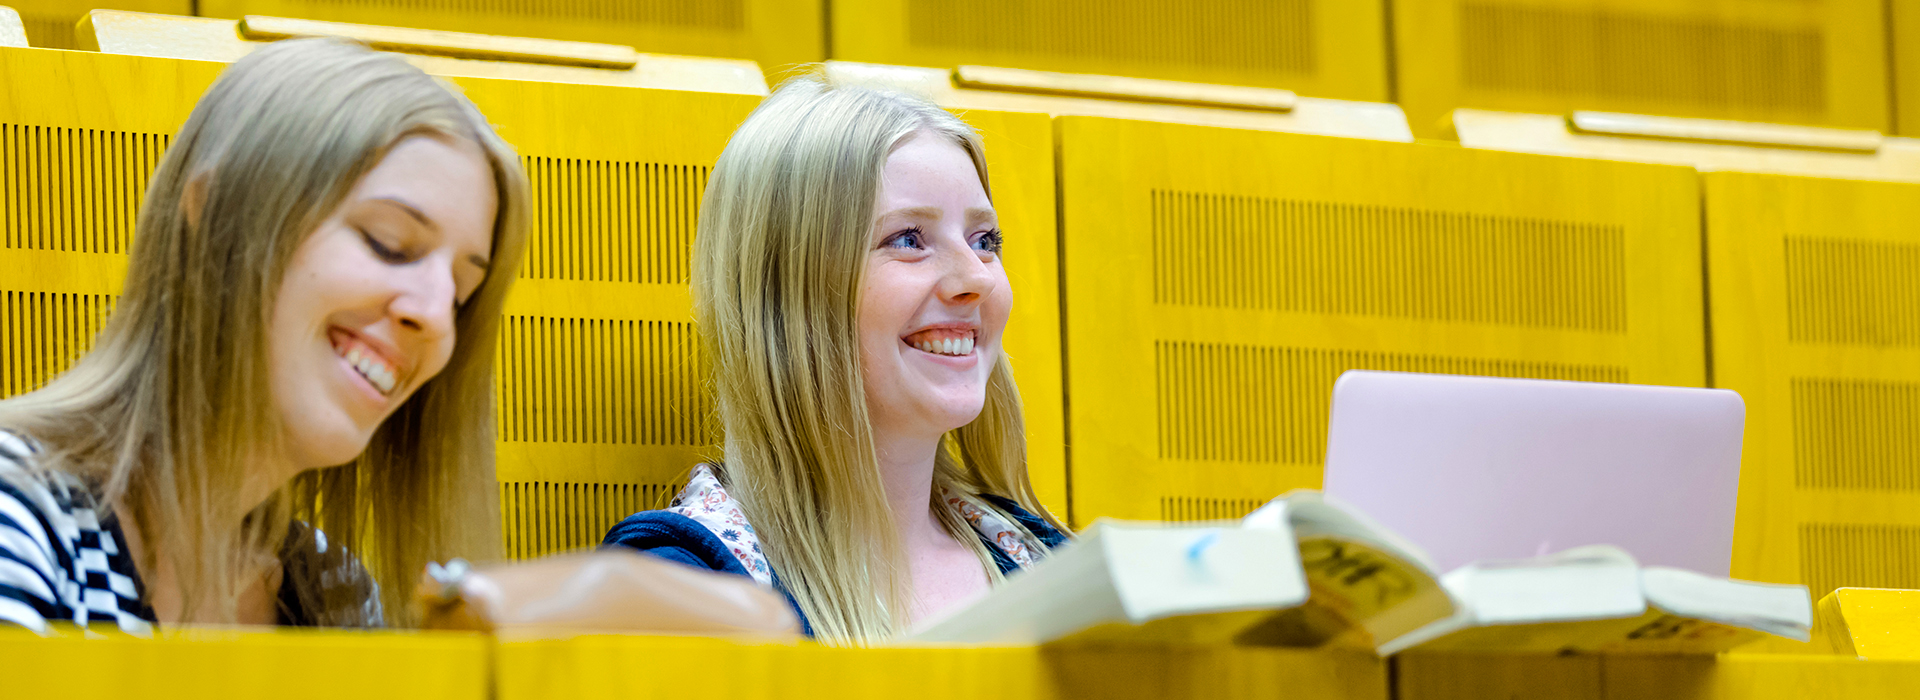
(410, 210)
(973, 214)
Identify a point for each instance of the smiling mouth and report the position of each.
(943, 341)
(369, 363)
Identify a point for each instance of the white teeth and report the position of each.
(949, 346)
(376, 372)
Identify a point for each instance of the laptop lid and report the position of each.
(1474, 468)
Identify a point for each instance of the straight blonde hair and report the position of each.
(173, 403)
(778, 264)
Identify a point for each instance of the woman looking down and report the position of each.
(304, 343)
(849, 291)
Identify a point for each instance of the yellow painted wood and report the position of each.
(1437, 676)
(1218, 280)
(50, 23)
(1725, 131)
(1891, 158)
(456, 44)
(774, 33)
(1811, 307)
(250, 663)
(1905, 17)
(1821, 63)
(1112, 87)
(607, 667)
(1873, 623)
(461, 55)
(1319, 48)
(1020, 161)
(1309, 115)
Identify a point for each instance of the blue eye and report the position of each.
(988, 241)
(909, 238)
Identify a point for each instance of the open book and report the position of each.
(1598, 598)
(1304, 571)
(1300, 572)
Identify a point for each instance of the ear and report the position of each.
(194, 198)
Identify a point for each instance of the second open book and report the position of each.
(1303, 571)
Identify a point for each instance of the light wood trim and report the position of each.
(1730, 132)
(484, 47)
(1122, 88)
(12, 31)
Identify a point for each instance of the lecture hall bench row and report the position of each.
(1840, 63)
(1249, 243)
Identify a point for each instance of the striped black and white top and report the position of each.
(59, 561)
(62, 561)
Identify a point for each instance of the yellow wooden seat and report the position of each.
(1217, 281)
(1813, 297)
(1707, 145)
(437, 52)
(774, 33)
(1063, 94)
(1822, 63)
(1321, 48)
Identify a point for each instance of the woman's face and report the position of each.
(936, 298)
(365, 315)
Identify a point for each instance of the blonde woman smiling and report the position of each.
(849, 288)
(307, 319)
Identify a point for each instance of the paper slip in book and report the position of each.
(1599, 599)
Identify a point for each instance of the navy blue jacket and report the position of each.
(678, 538)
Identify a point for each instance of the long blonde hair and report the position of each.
(777, 269)
(173, 403)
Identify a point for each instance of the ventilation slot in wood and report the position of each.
(1266, 36)
(1702, 62)
(1319, 257)
(538, 518)
(613, 221)
(1863, 556)
(704, 14)
(1853, 292)
(43, 333)
(1261, 404)
(601, 381)
(75, 190)
(1856, 435)
(1175, 509)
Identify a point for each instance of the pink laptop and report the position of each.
(1476, 468)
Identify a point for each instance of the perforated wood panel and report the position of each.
(1801, 62)
(1323, 48)
(773, 32)
(73, 189)
(1814, 324)
(1860, 556)
(1217, 282)
(539, 518)
(79, 136)
(43, 333)
(602, 400)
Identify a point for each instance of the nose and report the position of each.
(964, 278)
(425, 303)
